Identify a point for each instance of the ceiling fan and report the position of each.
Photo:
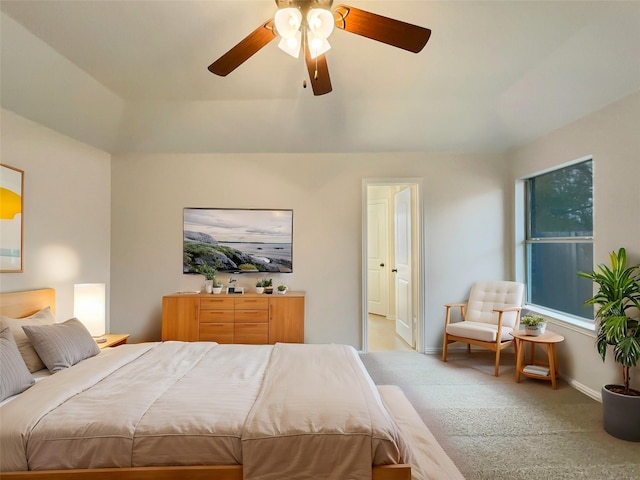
(307, 24)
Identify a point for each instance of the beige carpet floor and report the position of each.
(494, 428)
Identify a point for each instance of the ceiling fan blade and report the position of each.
(318, 73)
(386, 30)
(239, 54)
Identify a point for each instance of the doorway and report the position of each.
(392, 268)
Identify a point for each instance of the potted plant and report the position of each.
(534, 325)
(260, 286)
(268, 286)
(282, 289)
(209, 275)
(618, 317)
(211, 283)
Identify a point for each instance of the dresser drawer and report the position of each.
(252, 316)
(216, 332)
(251, 303)
(216, 303)
(216, 316)
(253, 333)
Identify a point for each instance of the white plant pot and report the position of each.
(208, 286)
(281, 292)
(217, 290)
(259, 289)
(535, 331)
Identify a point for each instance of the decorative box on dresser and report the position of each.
(233, 318)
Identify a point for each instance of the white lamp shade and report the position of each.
(89, 306)
(291, 45)
(320, 22)
(287, 21)
(317, 46)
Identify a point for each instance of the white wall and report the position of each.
(465, 200)
(67, 211)
(48, 88)
(611, 137)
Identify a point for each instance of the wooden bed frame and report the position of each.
(25, 303)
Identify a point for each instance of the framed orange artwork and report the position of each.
(11, 219)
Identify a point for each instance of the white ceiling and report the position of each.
(493, 75)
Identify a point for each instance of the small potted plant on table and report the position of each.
(260, 286)
(534, 325)
(282, 289)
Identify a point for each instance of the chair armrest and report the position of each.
(449, 306)
(500, 311)
(508, 309)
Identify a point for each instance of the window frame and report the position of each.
(524, 240)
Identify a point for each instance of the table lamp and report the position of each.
(89, 308)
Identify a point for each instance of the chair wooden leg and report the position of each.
(444, 348)
(497, 374)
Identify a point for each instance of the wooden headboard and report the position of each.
(27, 302)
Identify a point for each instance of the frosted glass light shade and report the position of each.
(317, 46)
(320, 22)
(89, 306)
(291, 45)
(288, 21)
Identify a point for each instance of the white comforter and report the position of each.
(283, 411)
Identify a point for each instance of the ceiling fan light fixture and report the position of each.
(317, 46)
(300, 26)
(320, 22)
(287, 21)
(291, 45)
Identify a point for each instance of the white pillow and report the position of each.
(62, 345)
(43, 317)
(14, 377)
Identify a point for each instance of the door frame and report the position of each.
(419, 261)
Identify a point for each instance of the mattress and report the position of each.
(282, 411)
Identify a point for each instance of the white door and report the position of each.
(377, 251)
(404, 300)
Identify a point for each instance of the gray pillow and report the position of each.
(14, 375)
(43, 317)
(62, 345)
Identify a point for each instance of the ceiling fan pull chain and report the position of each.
(304, 48)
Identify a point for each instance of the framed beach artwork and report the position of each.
(237, 240)
(11, 218)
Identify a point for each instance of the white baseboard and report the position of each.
(589, 392)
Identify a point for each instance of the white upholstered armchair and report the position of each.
(490, 314)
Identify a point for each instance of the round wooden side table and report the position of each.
(549, 340)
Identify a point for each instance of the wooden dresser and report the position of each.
(246, 318)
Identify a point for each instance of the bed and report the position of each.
(204, 410)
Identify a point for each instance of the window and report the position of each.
(559, 239)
